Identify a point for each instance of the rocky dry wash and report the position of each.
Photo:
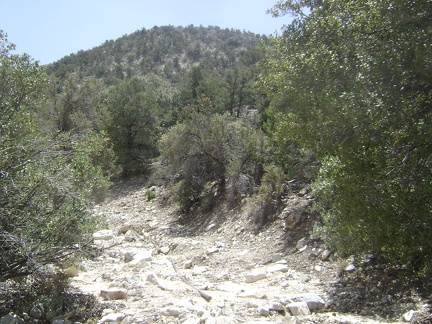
(157, 267)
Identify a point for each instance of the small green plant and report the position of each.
(150, 194)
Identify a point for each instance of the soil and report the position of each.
(212, 253)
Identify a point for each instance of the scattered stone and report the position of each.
(264, 310)
(313, 301)
(292, 219)
(141, 259)
(103, 235)
(112, 318)
(276, 306)
(199, 270)
(212, 251)
(408, 316)
(299, 308)
(301, 243)
(188, 264)
(220, 245)
(128, 257)
(350, 268)
(164, 249)
(113, 294)
(36, 311)
(276, 257)
(255, 276)
(211, 226)
(123, 229)
(325, 255)
(171, 311)
(155, 280)
(278, 267)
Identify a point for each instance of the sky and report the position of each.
(48, 30)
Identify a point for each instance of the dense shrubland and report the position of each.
(340, 100)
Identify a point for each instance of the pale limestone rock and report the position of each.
(171, 311)
(299, 308)
(155, 280)
(255, 276)
(112, 318)
(103, 235)
(278, 267)
(114, 294)
(313, 301)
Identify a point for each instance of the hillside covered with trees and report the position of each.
(339, 102)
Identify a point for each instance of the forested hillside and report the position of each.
(339, 104)
(167, 51)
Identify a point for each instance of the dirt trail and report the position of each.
(158, 263)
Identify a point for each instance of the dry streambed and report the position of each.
(153, 269)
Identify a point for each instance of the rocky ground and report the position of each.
(156, 266)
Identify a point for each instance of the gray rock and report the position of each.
(155, 280)
(301, 243)
(325, 255)
(278, 267)
(408, 316)
(313, 301)
(164, 249)
(171, 311)
(276, 257)
(299, 308)
(112, 318)
(103, 235)
(276, 306)
(11, 318)
(264, 310)
(113, 294)
(37, 311)
(255, 276)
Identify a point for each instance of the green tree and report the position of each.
(45, 187)
(140, 108)
(352, 80)
(211, 153)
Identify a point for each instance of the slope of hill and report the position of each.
(166, 51)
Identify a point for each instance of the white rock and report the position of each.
(141, 259)
(112, 318)
(155, 280)
(276, 257)
(171, 311)
(313, 301)
(299, 308)
(255, 276)
(199, 270)
(408, 316)
(264, 310)
(211, 226)
(114, 294)
(301, 243)
(188, 264)
(103, 235)
(350, 267)
(164, 249)
(278, 267)
(277, 306)
(212, 251)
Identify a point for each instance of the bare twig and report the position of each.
(202, 294)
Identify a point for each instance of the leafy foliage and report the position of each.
(206, 150)
(353, 81)
(46, 180)
(139, 109)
